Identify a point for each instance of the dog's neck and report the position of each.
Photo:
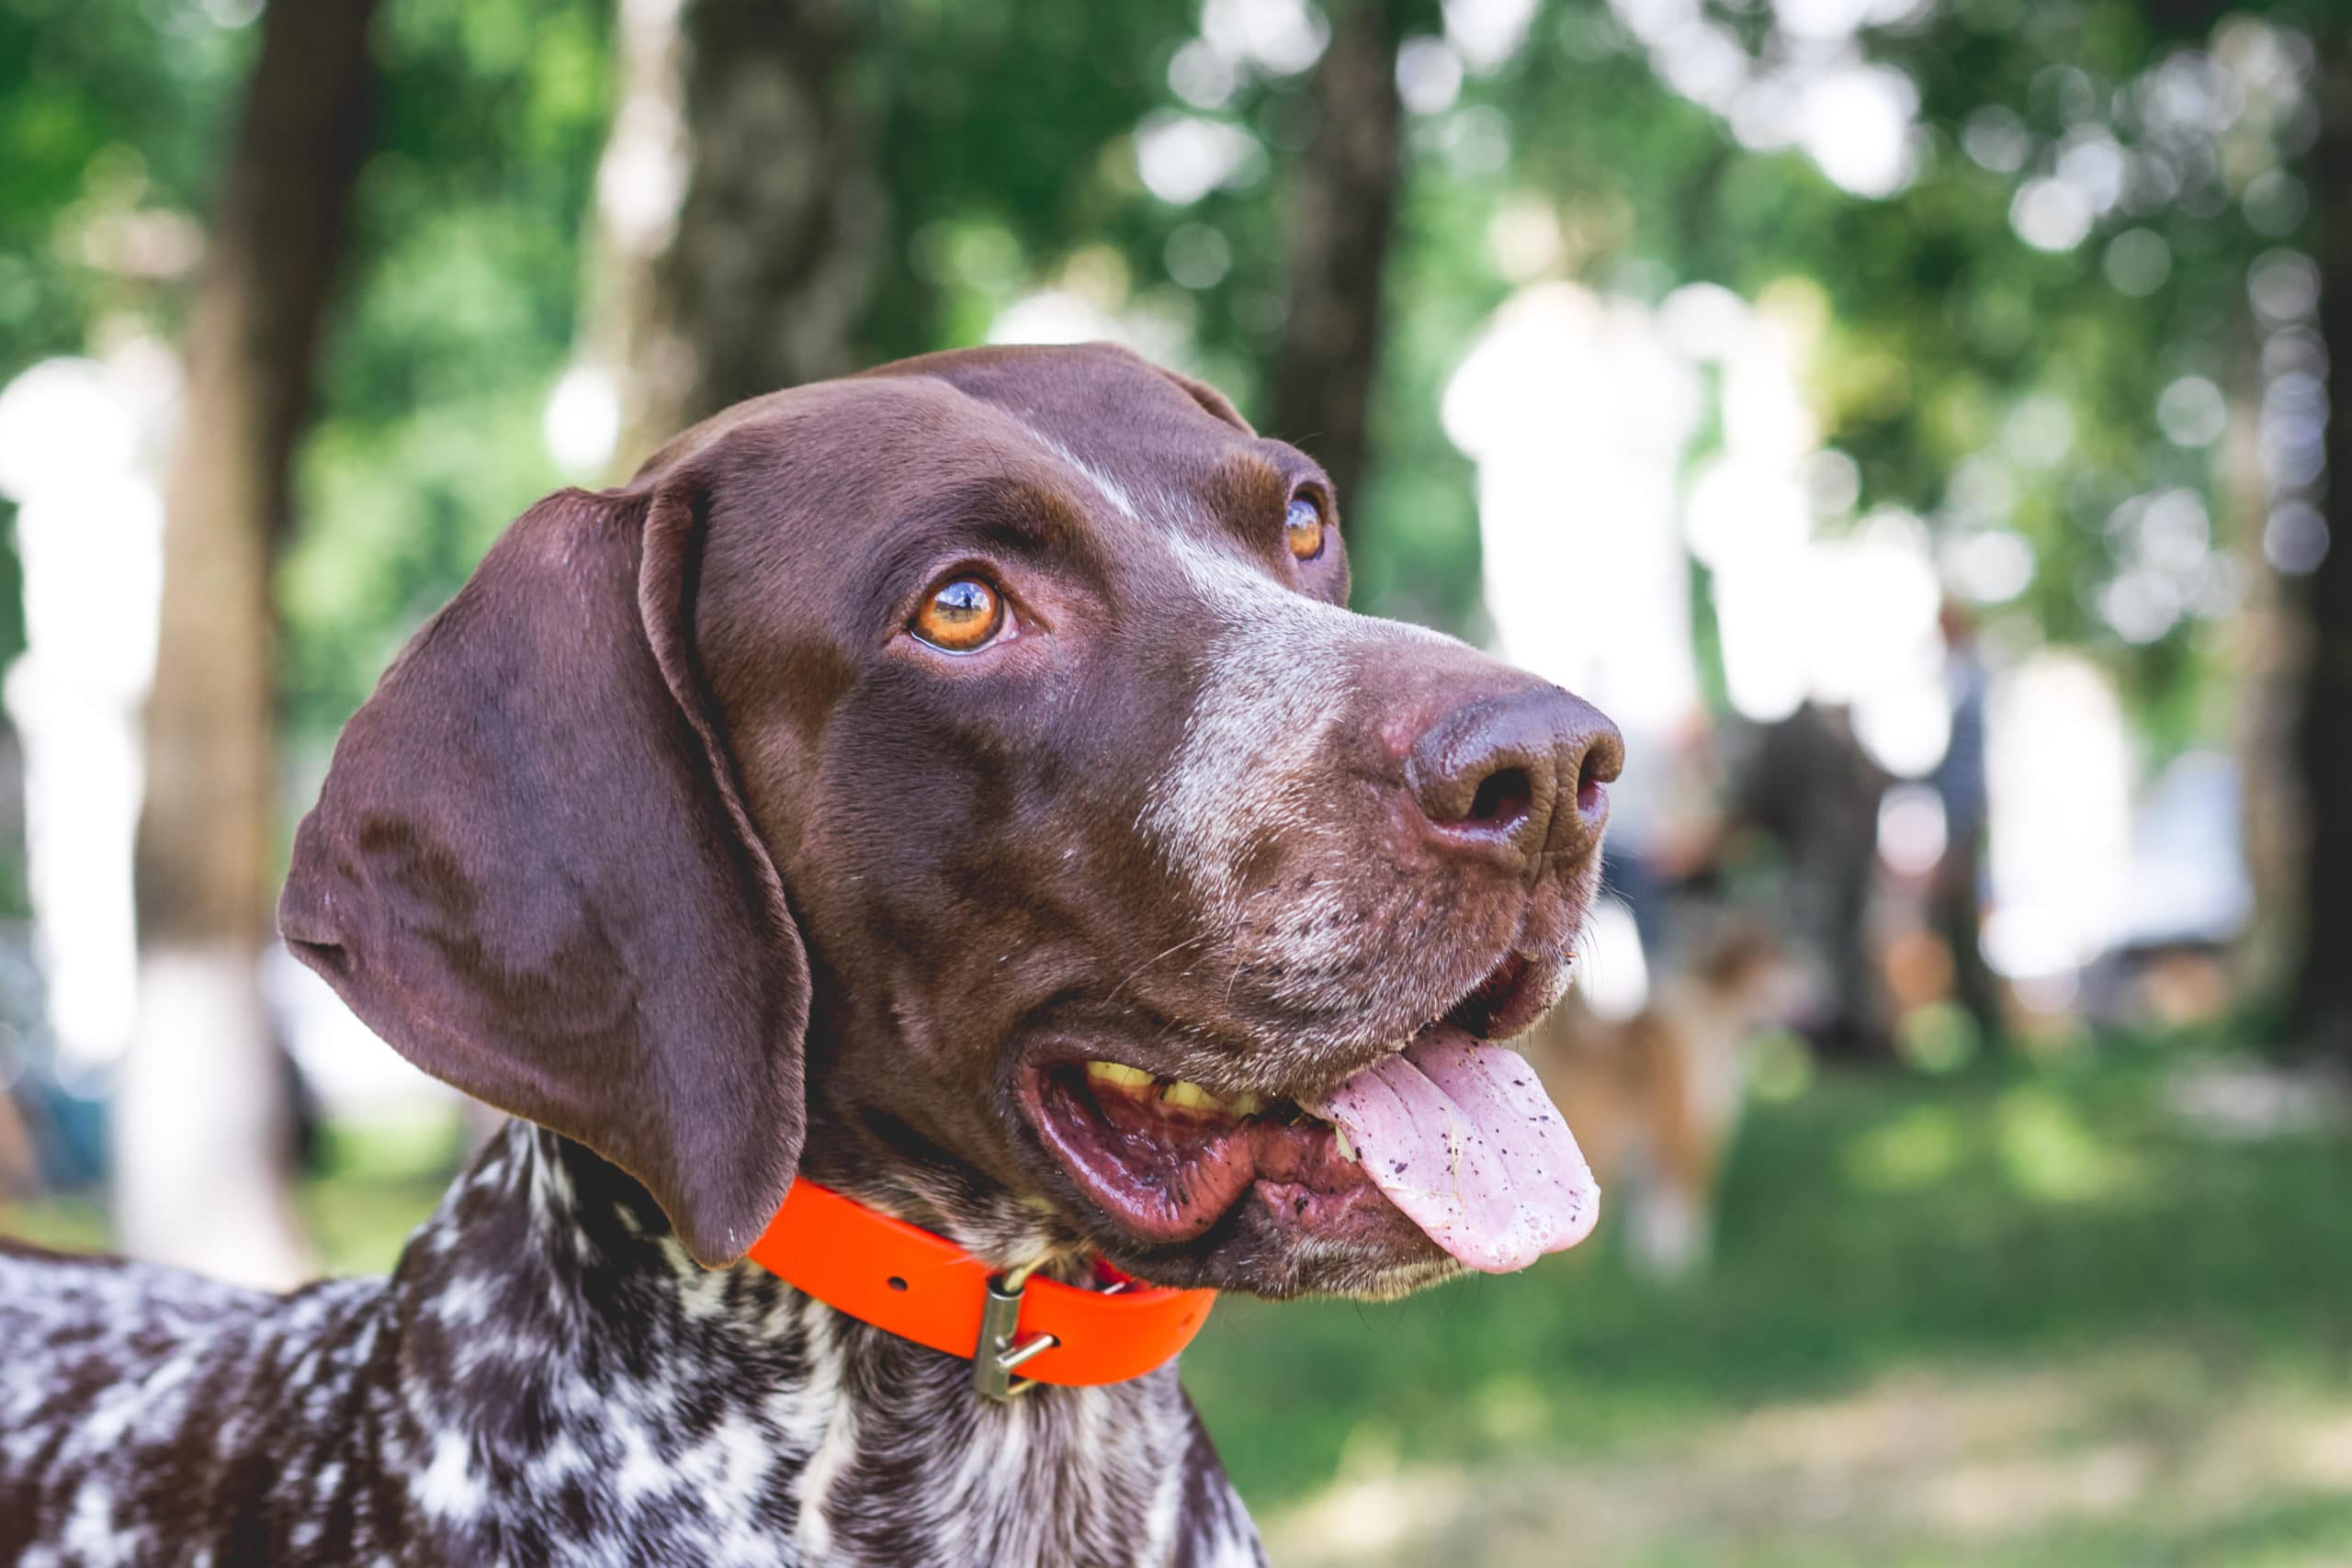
(893, 1171)
(722, 1407)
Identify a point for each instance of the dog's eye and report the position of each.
(1303, 529)
(961, 617)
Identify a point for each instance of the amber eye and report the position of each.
(960, 616)
(1303, 529)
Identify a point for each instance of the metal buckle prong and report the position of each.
(997, 1357)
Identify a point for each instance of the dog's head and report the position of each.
(962, 783)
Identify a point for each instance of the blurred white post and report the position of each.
(73, 435)
(2059, 771)
(1578, 414)
(79, 441)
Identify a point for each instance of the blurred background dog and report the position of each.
(1654, 1096)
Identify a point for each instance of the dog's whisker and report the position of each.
(1155, 959)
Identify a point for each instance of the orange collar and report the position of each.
(907, 1281)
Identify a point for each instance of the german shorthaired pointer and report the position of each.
(960, 785)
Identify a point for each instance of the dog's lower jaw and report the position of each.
(546, 1376)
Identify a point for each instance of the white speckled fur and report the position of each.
(546, 1380)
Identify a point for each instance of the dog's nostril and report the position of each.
(1589, 780)
(1601, 756)
(1502, 798)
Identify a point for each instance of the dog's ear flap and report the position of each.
(531, 870)
(1216, 402)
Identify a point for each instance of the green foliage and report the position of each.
(1945, 331)
(1004, 136)
(1000, 141)
(462, 304)
(108, 109)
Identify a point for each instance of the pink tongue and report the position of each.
(1463, 1139)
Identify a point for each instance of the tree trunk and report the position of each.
(1342, 202)
(2321, 1016)
(201, 1121)
(739, 220)
(2267, 648)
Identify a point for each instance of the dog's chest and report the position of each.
(868, 1453)
(546, 1381)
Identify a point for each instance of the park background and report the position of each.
(1909, 417)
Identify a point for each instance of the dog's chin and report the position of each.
(1271, 1251)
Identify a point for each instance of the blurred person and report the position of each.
(1808, 786)
(1955, 895)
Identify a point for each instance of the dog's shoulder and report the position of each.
(107, 1306)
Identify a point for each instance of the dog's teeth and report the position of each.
(1191, 1096)
(1347, 1149)
(1173, 1093)
(1118, 1075)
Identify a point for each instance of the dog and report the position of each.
(961, 786)
(1655, 1097)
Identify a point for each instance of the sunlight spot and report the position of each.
(1938, 1038)
(1182, 157)
(1857, 123)
(1612, 978)
(1780, 1066)
(1488, 32)
(582, 421)
(2192, 412)
(1912, 832)
(2049, 1152)
(1916, 1149)
(1281, 37)
(2138, 261)
(1512, 1411)
(1429, 75)
(2050, 215)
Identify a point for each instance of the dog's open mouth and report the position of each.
(1452, 1133)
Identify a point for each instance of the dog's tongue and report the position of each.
(1461, 1137)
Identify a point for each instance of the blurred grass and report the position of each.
(1941, 1236)
(374, 1184)
(2023, 1315)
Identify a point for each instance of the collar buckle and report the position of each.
(1001, 1351)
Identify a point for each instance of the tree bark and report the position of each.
(1342, 207)
(2267, 648)
(200, 1148)
(741, 220)
(2321, 1016)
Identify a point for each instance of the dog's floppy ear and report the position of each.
(1216, 402)
(531, 870)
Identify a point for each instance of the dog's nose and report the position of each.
(1519, 775)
